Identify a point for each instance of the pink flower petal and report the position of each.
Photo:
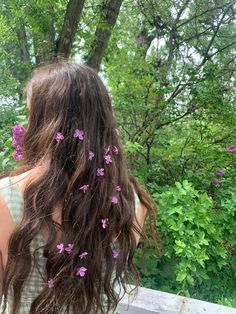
(114, 200)
(108, 159)
(100, 172)
(50, 283)
(105, 223)
(79, 134)
(60, 247)
(115, 254)
(91, 155)
(84, 188)
(59, 137)
(83, 255)
(80, 271)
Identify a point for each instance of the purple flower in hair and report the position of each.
(69, 248)
(80, 271)
(60, 247)
(79, 134)
(105, 223)
(115, 150)
(114, 200)
(50, 283)
(91, 155)
(108, 159)
(216, 181)
(83, 255)
(100, 172)
(59, 137)
(115, 254)
(84, 188)
(118, 188)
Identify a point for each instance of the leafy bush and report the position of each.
(196, 261)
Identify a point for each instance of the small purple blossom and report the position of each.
(105, 223)
(108, 159)
(118, 188)
(115, 254)
(115, 150)
(81, 271)
(220, 173)
(91, 155)
(231, 149)
(100, 172)
(59, 137)
(83, 255)
(69, 248)
(50, 283)
(216, 181)
(60, 247)
(79, 134)
(84, 188)
(114, 200)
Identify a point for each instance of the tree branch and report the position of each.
(206, 54)
(201, 14)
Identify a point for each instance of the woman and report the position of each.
(68, 228)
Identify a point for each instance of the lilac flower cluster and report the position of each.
(231, 149)
(18, 138)
(218, 173)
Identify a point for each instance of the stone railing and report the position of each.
(150, 301)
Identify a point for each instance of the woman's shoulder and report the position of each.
(10, 195)
(12, 181)
(4, 181)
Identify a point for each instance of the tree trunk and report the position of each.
(71, 21)
(109, 14)
(24, 47)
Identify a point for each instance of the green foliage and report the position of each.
(196, 260)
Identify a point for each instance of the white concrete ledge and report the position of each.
(152, 301)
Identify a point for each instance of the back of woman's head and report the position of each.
(71, 129)
(64, 97)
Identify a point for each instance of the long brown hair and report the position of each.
(65, 97)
